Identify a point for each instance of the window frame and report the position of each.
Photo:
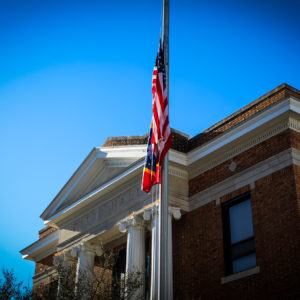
(228, 247)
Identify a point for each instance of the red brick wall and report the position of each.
(198, 253)
(44, 264)
(46, 231)
(254, 155)
(198, 245)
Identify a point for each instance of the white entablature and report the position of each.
(109, 178)
(107, 167)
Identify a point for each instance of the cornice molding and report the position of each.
(295, 125)
(178, 157)
(201, 167)
(193, 159)
(287, 104)
(94, 194)
(118, 163)
(246, 177)
(45, 277)
(105, 214)
(41, 248)
(178, 172)
(96, 153)
(133, 151)
(66, 189)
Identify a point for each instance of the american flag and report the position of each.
(160, 138)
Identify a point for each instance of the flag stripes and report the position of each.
(160, 137)
(160, 107)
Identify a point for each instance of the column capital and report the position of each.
(150, 211)
(62, 257)
(175, 212)
(86, 247)
(134, 221)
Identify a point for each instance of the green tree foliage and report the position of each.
(10, 288)
(63, 286)
(103, 287)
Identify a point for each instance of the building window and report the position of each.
(239, 245)
(120, 265)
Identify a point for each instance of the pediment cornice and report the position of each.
(98, 159)
(107, 167)
(42, 247)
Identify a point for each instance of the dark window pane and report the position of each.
(244, 263)
(119, 267)
(243, 248)
(241, 226)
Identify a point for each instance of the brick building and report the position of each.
(234, 195)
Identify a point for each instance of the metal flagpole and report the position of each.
(163, 206)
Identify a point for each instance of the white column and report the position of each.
(65, 263)
(172, 212)
(148, 214)
(65, 259)
(85, 267)
(136, 244)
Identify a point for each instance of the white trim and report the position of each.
(294, 105)
(201, 166)
(118, 163)
(244, 128)
(133, 151)
(45, 276)
(178, 172)
(243, 178)
(138, 151)
(44, 243)
(70, 182)
(178, 157)
(107, 153)
(91, 195)
(240, 275)
(73, 185)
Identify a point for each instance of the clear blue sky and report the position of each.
(73, 73)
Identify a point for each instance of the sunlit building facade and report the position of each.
(234, 208)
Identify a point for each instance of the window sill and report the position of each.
(240, 275)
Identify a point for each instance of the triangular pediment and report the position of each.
(100, 173)
(100, 167)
